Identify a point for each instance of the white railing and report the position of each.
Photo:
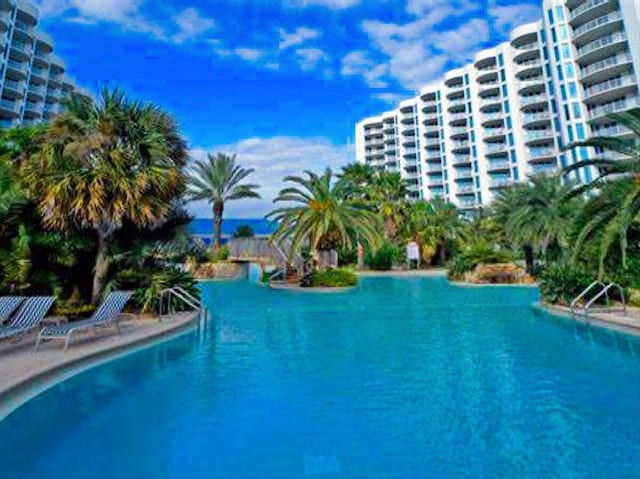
(166, 302)
(602, 42)
(606, 63)
(608, 18)
(604, 292)
(610, 84)
(614, 107)
(586, 6)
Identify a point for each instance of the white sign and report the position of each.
(413, 251)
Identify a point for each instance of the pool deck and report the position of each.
(25, 372)
(628, 324)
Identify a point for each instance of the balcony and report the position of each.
(498, 165)
(433, 169)
(537, 136)
(603, 46)
(612, 130)
(468, 204)
(13, 88)
(614, 107)
(613, 86)
(539, 117)
(465, 188)
(493, 118)
(531, 85)
(588, 6)
(533, 100)
(459, 160)
(435, 182)
(429, 130)
(459, 131)
(24, 28)
(490, 103)
(463, 174)
(10, 107)
(600, 26)
(496, 149)
(431, 142)
(432, 156)
(607, 67)
(458, 118)
(541, 153)
(18, 67)
(500, 182)
(460, 145)
(528, 67)
(5, 21)
(544, 169)
(494, 132)
(457, 105)
(23, 50)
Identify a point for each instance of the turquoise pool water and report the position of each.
(402, 378)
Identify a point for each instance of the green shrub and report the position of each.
(475, 254)
(384, 258)
(244, 231)
(334, 278)
(561, 283)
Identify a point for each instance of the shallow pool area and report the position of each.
(400, 378)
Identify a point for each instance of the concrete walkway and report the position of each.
(24, 373)
(629, 323)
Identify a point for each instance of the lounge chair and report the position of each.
(28, 317)
(107, 314)
(8, 304)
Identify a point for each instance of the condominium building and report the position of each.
(510, 113)
(32, 77)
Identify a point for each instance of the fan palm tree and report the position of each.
(616, 214)
(321, 215)
(537, 215)
(387, 193)
(101, 165)
(218, 180)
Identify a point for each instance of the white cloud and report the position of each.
(191, 25)
(332, 4)
(424, 7)
(506, 17)
(273, 159)
(249, 54)
(297, 37)
(359, 63)
(310, 58)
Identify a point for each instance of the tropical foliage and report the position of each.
(218, 180)
(321, 214)
(91, 196)
(334, 278)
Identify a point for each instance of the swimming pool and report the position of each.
(401, 378)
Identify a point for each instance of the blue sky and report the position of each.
(280, 83)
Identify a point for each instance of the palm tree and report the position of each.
(101, 165)
(619, 206)
(320, 215)
(387, 194)
(218, 180)
(537, 214)
(443, 226)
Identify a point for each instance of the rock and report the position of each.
(218, 270)
(501, 273)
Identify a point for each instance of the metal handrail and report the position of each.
(279, 272)
(182, 295)
(605, 291)
(584, 293)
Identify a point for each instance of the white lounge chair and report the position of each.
(28, 316)
(107, 314)
(8, 304)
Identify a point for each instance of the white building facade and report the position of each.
(32, 78)
(509, 114)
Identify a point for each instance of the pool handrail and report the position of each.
(603, 292)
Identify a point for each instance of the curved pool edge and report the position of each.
(590, 321)
(28, 387)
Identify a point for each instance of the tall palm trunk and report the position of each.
(442, 253)
(528, 257)
(360, 251)
(101, 269)
(218, 210)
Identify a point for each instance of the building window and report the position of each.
(560, 13)
(580, 132)
(500, 60)
(571, 73)
(573, 90)
(570, 134)
(564, 32)
(506, 107)
(504, 90)
(577, 113)
(560, 74)
(566, 51)
(510, 139)
(567, 115)
(514, 159)
(509, 122)
(553, 35)
(556, 54)
(563, 92)
(550, 15)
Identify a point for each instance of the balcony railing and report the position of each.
(463, 174)
(608, 18)
(530, 117)
(528, 46)
(23, 27)
(529, 100)
(461, 159)
(494, 131)
(610, 84)
(461, 144)
(541, 152)
(498, 165)
(586, 6)
(10, 105)
(602, 42)
(544, 169)
(497, 148)
(499, 182)
(615, 107)
(606, 63)
(14, 85)
(468, 188)
(539, 134)
(16, 65)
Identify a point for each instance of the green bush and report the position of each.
(384, 258)
(334, 278)
(561, 283)
(475, 254)
(244, 231)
